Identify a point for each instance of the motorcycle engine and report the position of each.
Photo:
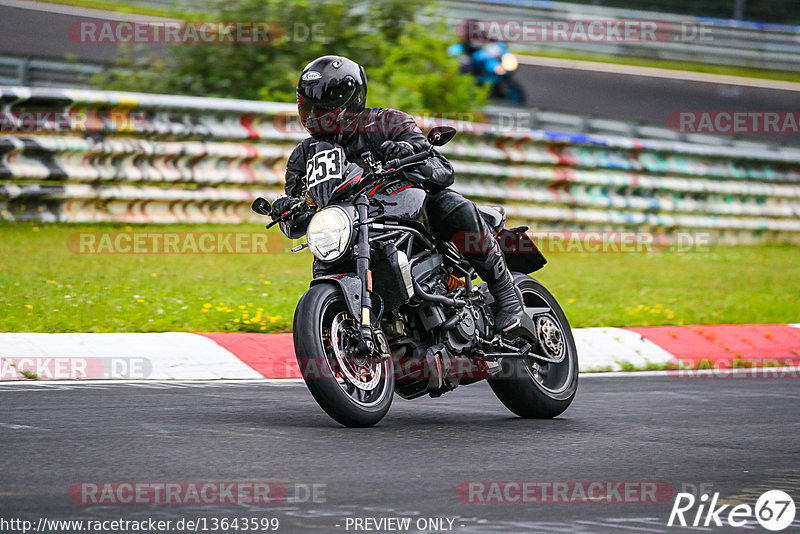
(457, 332)
(469, 322)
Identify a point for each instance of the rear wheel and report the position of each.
(354, 390)
(532, 388)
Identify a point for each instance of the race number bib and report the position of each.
(325, 165)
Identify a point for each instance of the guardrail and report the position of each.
(16, 71)
(29, 71)
(738, 43)
(83, 156)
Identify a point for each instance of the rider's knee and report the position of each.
(454, 216)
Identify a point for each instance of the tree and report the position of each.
(406, 61)
(419, 75)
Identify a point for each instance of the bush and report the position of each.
(417, 75)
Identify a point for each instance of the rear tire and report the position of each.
(320, 314)
(531, 389)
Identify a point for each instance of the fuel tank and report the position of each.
(400, 200)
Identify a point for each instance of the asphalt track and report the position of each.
(44, 34)
(644, 99)
(736, 436)
(41, 32)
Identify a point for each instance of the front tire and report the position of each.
(533, 389)
(356, 392)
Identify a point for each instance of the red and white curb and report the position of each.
(187, 356)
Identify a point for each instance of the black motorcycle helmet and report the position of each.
(330, 88)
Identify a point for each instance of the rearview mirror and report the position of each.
(441, 135)
(261, 206)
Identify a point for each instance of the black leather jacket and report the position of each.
(367, 130)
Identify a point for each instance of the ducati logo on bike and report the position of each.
(394, 188)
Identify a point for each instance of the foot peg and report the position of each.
(494, 367)
(522, 327)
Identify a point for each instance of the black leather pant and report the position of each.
(453, 216)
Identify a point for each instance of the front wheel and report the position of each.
(532, 388)
(355, 391)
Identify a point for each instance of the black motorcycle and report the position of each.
(390, 309)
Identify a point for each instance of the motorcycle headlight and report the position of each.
(509, 62)
(328, 234)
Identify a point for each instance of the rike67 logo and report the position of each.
(774, 510)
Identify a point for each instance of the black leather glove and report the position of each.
(396, 150)
(281, 206)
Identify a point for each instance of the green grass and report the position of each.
(45, 287)
(119, 7)
(745, 284)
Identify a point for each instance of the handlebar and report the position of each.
(391, 167)
(288, 215)
(395, 164)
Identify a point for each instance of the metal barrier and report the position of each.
(82, 156)
(739, 43)
(44, 72)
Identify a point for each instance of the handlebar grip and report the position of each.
(288, 215)
(415, 158)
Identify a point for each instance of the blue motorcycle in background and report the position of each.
(490, 63)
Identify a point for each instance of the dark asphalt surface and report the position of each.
(41, 34)
(737, 436)
(26, 32)
(644, 99)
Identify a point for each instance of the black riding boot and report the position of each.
(455, 218)
(510, 317)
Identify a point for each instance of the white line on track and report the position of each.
(692, 373)
(19, 427)
(653, 72)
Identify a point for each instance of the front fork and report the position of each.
(366, 344)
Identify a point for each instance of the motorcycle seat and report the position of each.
(495, 216)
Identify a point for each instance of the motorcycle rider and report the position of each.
(331, 99)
